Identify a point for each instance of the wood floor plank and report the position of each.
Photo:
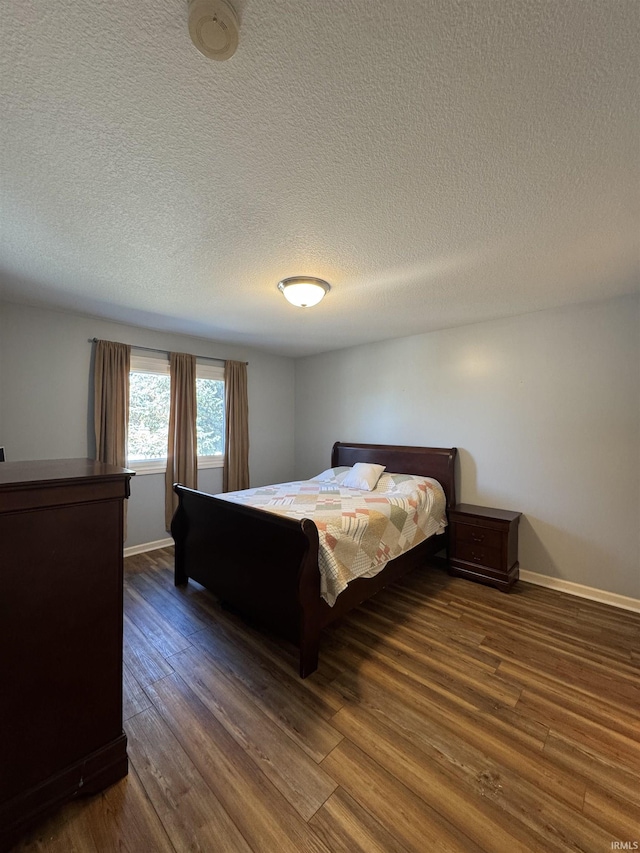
(281, 697)
(171, 608)
(345, 827)
(593, 766)
(145, 662)
(283, 657)
(192, 816)
(417, 824)
(121, 819)
(201, 603)
(124, 819)
(160, 633)
(489, 803)
(473, 686)
(139, 563)
(418, 605)
(366, 681)
(619, 816)
(568, 634)
(600, 709)
(134, 699)
(590, 677)
(596, 613)
(463, 741)
(620, 748)
(414, 634)
(281, 652)
(551, 614)
(263, 816)
(298, 778)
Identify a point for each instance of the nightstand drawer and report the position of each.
(479, 535)
(480, 555)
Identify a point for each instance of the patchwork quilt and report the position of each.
(359, 531)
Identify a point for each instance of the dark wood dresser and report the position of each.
(61, 533)
(484, 544)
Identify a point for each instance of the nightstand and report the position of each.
(484, 544)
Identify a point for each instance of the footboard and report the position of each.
(261, 564)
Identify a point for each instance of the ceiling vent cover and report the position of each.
(213, 27)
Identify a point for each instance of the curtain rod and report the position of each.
(165, 351)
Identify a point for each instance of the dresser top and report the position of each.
(484, 512)
(56, 470)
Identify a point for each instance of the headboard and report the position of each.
(435, 462)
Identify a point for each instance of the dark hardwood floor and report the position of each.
(445, 716)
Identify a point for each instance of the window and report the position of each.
(149, 401)
(210, 412)
(149, 387)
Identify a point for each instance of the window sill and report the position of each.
(142, 469)
(153, 468)
(204, 462)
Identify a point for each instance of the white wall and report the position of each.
(46, 401)
(545, 411)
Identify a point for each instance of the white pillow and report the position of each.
(363, 476)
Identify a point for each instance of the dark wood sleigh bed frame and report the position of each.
(265, 566)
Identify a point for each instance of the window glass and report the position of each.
(149, 400)
(210, 420)
(149, 403)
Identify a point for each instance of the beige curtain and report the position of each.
(236, 445)
(111, 405)
(111, 401)
(182, 454)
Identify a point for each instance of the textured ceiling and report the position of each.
(439, 162)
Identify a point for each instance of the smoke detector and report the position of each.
(213, 27)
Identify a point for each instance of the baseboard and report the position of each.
(601, 595)
(147, 546)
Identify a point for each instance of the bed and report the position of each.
(265, 566)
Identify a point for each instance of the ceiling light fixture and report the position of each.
(303, 290)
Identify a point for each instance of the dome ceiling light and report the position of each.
(303, 290)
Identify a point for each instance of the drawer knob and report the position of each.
(477, 558)
(477, 537)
